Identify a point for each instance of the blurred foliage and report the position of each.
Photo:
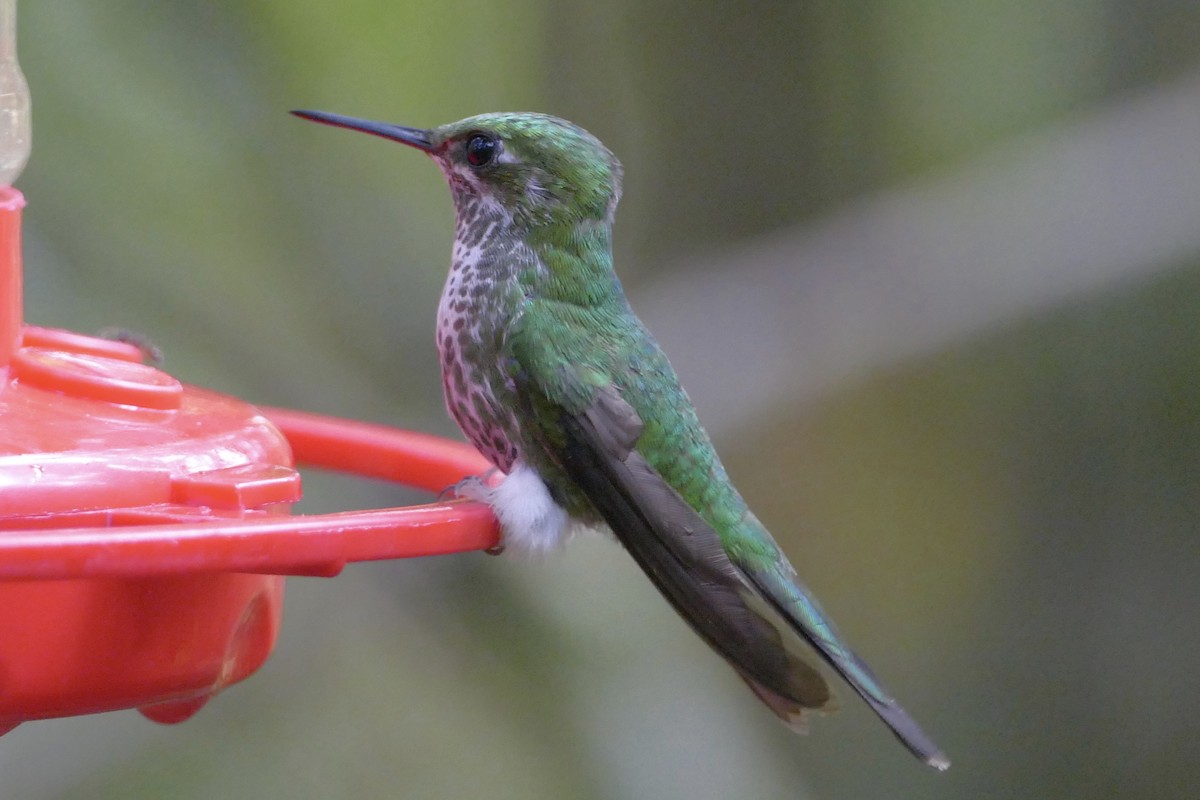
(1006, 530)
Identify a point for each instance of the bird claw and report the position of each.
(472, 487)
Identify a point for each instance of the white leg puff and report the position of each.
(530, 520)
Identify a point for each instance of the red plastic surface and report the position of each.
(11, 298)
(145, 525)
(147, 540)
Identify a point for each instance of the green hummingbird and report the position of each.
(551, 375)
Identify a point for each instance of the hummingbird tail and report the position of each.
(791, 600)
(908, 732)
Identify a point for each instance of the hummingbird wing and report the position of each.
(683, 555)
(753, 612)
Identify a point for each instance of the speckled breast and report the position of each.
(473, 386)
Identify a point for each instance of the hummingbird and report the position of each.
(551, 375)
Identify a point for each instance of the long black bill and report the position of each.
(413, 137)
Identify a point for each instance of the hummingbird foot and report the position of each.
(476, 488)
(472, 487)
(530, 520)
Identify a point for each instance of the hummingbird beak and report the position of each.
(413, 137)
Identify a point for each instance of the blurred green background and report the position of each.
(931, 271)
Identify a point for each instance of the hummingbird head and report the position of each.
(519, 168)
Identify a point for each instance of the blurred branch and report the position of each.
(1065, 211)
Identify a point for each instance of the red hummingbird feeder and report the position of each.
(146, 526)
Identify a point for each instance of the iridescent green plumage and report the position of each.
(550, 373)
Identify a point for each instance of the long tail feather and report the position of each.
(796, 604)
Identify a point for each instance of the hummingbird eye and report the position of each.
(481, 149)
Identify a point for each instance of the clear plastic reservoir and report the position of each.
(14, 99)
